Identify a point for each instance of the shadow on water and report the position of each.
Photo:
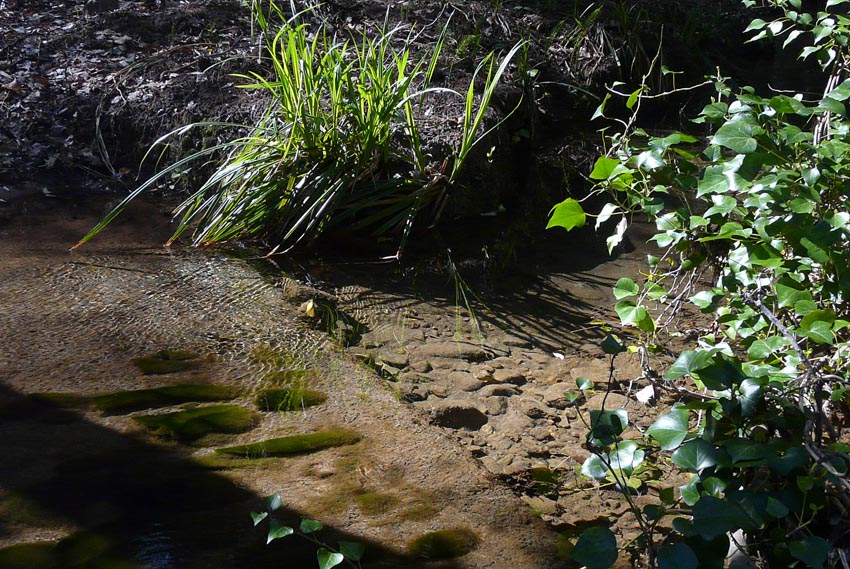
(156, 508)
(552, 294)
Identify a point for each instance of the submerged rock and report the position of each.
(454, 414)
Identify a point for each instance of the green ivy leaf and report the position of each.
(677, 556)
(690, 491)
(273, 502)
(277, 530)
(789, 292)
(625, 288)
(695, 456)
(584, 383)
(670, 429)
(328, 559)
(813, 551)
(762, 349)
(352, 550)
(626, 457)
(567, 214)
(258, 517)
(738, 136)
(714, 517)
(596, 548)
(612, 345)
(604, 168)
(310, 526)
(606, 425)
(593, 467)
(630, 313)
(687, 363)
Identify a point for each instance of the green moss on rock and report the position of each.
(163, 396)
(29, 556)
(166, 361)
(295, 444)
(375, 503)
(84, 549)
(192, 424)
(62, 399)
(288, 399)
(444, 544)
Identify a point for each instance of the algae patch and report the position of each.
(163, 396)
(295, 444)
(166, 361)
(84, 549)
(375, 503)
(192, 424)
(288, 399)
(444, 544)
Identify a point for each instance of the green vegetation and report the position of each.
(62, 399)
(192, 424)
(85, 549)
(444, 544)
(340, 143)
(755, 225)
(294, 444)
(375, 503)
(166, 361)
(287, 399)
(347, 552)
(165, 396)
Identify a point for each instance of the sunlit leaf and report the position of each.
(567, 214)
(670, 429)
(687, 363)
(738, 136)
(695, 456)
(273, 502)
(277, 530)
(328, 559)
(604, 168)
(625, 288)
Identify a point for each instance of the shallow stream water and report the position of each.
(81, 487)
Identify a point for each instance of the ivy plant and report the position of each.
(751, 210)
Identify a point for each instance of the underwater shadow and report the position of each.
(149, 506)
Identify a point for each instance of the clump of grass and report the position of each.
(165, 361)
(164, 396)
(339, 145)
(295, 444)
(288, 399)
(192, 424)
(444, 544)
